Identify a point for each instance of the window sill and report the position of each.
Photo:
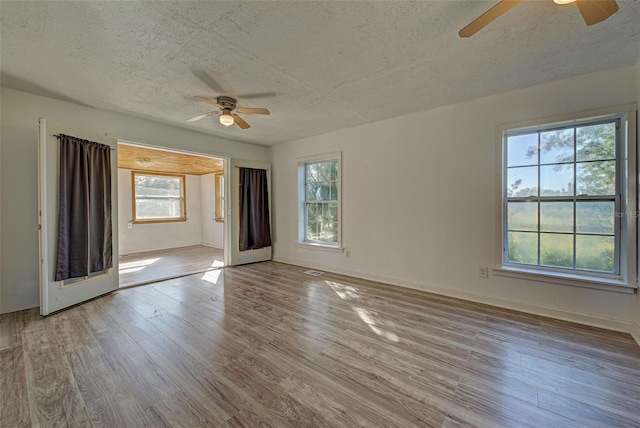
(320, 247)
(606, 284)
(160, 220)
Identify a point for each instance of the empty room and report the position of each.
(319, 213)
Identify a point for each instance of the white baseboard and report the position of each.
(609, 324)
(211, 246)
(635, 332)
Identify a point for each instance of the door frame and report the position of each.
(59, 295)
(237, 257)
(225, 167)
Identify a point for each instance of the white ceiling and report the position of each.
(318, 66)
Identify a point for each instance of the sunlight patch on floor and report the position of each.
(369, 319)
(211, 276)
(136, 266)
(347, 292)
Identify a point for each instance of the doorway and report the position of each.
(171, 215)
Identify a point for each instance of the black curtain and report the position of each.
(255, 231)
(84, 228)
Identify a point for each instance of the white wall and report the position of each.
(419, 200)
(212, 231)
(158, 236)
(19, 175)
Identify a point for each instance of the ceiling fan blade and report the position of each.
(206, 78)
(202, 116)
(594, 11)
(240, 122)
(208, 100)
(251, 110)
(486, 18)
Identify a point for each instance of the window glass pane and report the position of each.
(147, 209)
(556, 217)
(522, 182)
(333, 195)
(311, 172)
(595, 253)
(556, 146)
(556, 250)
(596, 178)
(312, 191)
(150, 185)
(523, 247)
(596, 142)
(312, 230)
(158, 197)
(324, 171)
(523, 216)
(522, 150)
(556, 180)
(334, 170)
(595, 217)
(332, 213)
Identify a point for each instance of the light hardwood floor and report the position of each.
(265, 345)
(142, 268)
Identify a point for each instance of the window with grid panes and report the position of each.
(562, 197)
(321, 220)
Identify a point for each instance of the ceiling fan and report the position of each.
(593, 11)
(227, 106)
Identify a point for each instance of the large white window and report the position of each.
(319, 200)
(567, 208)
(158, 197)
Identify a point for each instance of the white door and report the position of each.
(57, 295)
(235, 256)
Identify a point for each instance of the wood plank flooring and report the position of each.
(150, 266)
(265, 345)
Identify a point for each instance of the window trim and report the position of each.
(218, 178)
(301, 162)
(626, 279)
(183, 218)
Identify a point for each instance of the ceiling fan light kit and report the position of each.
(226, 119)
(229, 109)
(592, 11)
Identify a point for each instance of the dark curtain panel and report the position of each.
(255, 231)
(84, 230)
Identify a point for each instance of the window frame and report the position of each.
(183, 204)
(626, 238)
(302, 202)
(218, 178)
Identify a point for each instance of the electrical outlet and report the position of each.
(484, 272)
(348, 254)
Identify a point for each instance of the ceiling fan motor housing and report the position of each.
(227, 103)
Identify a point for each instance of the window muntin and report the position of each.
(320, 200)
(561, 198)
(158, 197)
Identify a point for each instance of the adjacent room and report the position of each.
(171, 218)
(319, 213)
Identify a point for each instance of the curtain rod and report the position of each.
(58, 136)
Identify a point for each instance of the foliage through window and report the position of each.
(320, 201)
(562, 197)
(158, 197)
(219, 189)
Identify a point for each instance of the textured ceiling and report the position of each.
(318, 66)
